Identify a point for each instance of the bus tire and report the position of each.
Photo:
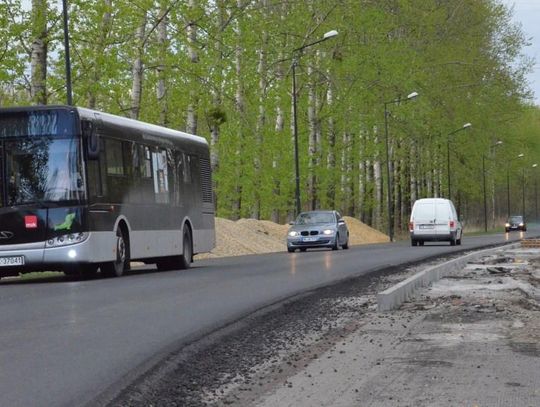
(187, 253)
(116, 268)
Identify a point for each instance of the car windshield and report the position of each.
(516, 219)
(311, 218)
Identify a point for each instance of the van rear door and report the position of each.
(424, 218)
(444, 215)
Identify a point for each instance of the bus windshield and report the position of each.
(40, 161)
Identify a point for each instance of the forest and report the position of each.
(228, 70)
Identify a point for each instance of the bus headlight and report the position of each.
(65, 240)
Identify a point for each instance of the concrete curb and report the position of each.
(394, 296)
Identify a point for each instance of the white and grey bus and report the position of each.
(82, 190)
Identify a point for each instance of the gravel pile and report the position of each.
(252, 236)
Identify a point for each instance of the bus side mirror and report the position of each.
(92, 140)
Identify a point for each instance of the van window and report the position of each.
(443, 211)
(424, 211)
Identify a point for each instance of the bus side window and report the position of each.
(160, 176)
(96, 172)
(187, 168)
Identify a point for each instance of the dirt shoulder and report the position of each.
(470, 339)
(251, 236)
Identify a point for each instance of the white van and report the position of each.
(434, 219)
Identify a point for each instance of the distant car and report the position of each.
(434, 219)
(318, 229)
(515, 222)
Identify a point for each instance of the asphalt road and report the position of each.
(64, 343)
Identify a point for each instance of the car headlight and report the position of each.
(328, 232)
(294, 233)
(65, 240)
(507, 225)
(521, 224)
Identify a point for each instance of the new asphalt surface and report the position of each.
(66, 343)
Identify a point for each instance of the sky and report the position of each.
(527, 12)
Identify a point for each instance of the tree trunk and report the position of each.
(312, 139)
(163, 46)
(191, 32)
(331, 157)
(99, 50)
(38, 55)
(261, 117)
(138, 69)
(240, 109)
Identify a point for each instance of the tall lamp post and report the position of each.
(508, 182)
(410, 96)
(497, 144)
(464, 127)
(297, 53)
(535, 195)
(69, 95)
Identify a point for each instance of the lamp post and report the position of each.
(410, 96)
(297, 53)
(508, 182)
(69, 95)
(464, 127)
(535, 195)
(498, 143)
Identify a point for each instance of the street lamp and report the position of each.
(508, 182)
(464, 127)
(535, 195)
(410, 96)
(297, 53)
(497, 144)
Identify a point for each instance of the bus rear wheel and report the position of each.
(116, 268)
(187, 254)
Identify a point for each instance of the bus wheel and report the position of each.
(187, 257)
(116, 268)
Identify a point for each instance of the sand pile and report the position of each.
(251, 236)
(360, 233)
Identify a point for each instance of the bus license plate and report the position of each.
(12, 261)
(309, 239)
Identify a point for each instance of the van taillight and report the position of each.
(452, 224)
(411, 226)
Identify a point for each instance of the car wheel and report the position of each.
(421, 242)
(336, 243)
(414, 242)
(506, 230)
(116, 268)
(453, 241)
(524, 229)
(345, 245)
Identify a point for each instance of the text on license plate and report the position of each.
(426, 226)
(12, 261)
(309, 239)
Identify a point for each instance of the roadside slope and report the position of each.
(252, 236)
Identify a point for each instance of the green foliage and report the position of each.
(465, 59)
